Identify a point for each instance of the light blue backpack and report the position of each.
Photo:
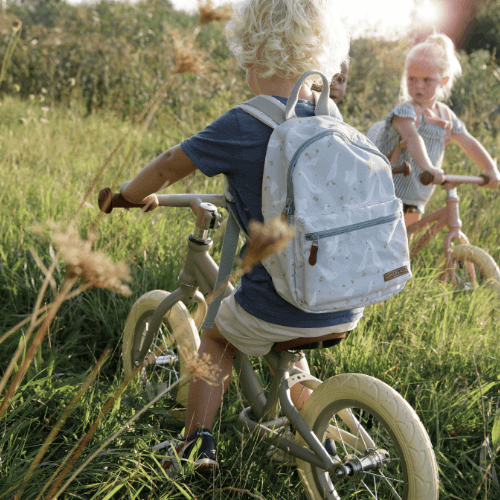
(335, 189)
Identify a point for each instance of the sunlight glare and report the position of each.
(388, 18)
(429, 12)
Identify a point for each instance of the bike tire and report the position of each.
(484, 265)
(177, 336)
(412, 471)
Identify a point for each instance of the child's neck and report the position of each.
(431, 105)
(277, 86)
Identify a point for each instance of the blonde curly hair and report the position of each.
(438, 48)
(285, 38)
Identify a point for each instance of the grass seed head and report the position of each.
(95, 268)
(202, 368)
(264, 240)
(9, 24)
(187, 57)
(207, 13)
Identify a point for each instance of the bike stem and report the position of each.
(454, 223)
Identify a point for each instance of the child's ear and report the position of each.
(446, 79)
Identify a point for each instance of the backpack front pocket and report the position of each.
(352, 264)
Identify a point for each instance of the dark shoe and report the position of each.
(199, 450)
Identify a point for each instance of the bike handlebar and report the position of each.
(427, 178)
(107, 200)
(405, 169)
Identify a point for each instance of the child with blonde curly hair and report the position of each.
(425, 125)
(275, 41)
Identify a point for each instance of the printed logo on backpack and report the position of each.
(335, 189)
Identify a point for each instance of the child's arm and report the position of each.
(416, 146)
(168, 168)
(476, 151)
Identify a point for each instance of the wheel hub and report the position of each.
(353, 467)
(169, 360)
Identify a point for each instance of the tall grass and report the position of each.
(438, 347)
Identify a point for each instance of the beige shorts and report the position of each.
(256, 337)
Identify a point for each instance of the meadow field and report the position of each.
(65, 429)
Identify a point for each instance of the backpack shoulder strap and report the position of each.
(229, 247)
(265, 108)
(270, 111)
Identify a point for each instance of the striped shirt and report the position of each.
(409, 189)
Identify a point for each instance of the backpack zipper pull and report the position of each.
(314, 251)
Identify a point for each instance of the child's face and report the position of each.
(338, 85)
(424, 79)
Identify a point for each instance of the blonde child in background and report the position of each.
(338, 83)
(275, 41)
(426, 124)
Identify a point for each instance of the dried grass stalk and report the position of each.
(207, 13)
(187, 57)
(55, 430)
(55, 492)
(265, 239)
(202, 368)
(93, 267)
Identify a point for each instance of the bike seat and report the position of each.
(308, 343)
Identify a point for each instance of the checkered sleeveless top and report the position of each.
(409, 189)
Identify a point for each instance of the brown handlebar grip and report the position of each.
(426, 178)
(405, 169)
(107, 201)
(486, 179)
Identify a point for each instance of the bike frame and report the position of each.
(448, 215)
(196, 281)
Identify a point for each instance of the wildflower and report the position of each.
(264, 240)
(92, 266)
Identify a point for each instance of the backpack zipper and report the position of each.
(290, 202)
(315, 237)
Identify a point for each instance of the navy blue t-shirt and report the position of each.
(235, 145)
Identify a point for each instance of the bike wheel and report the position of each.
(165, 356)
(473, 267)
(363, 414)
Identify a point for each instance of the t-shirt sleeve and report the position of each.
(404, 110)
(217, 149)
(458, 125)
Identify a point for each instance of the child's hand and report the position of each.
(150, 203)
(438, 174)
(494, 177)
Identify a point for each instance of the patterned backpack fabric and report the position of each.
(335, 189)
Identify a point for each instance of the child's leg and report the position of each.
(411, 215)
(410, 218)
(203, 398)
(298, 392)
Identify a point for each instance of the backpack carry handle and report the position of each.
(322, 104)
